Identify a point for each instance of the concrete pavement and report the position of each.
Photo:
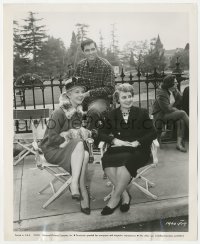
(170, 177)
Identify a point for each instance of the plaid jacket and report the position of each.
(101, 78)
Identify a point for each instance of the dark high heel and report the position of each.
(125, 206)
(107, 210)
(181, 148)
(75, 196)
(87, 209)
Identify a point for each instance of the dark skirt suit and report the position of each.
(138, 127)
(50, 144)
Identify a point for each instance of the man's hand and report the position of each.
(63, 144)
(135, 143)
(86, 94)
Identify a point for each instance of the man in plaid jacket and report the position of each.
(101, 82)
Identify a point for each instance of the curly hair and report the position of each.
(122, 88)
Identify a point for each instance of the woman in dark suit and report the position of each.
(130, 133)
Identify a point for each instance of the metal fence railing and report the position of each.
(46, 94)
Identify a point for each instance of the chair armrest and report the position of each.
(38, 159)
(103, 147)
(35, 146)
(156, 143)
(154, 151)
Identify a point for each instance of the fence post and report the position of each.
(178, 73)
(32, 81)
(138, 75)
(61, 85)
(43, 98)
(52, 94)
(155, 80)
(131, 82)
(15, 103)
(122, 75)
(147, 83)
(23, 91)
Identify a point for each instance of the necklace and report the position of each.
(125, 113)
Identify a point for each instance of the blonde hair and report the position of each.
(69, 110)
(122, 88)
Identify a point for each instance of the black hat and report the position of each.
(168, 81)
(76, 82)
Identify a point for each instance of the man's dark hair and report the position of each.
(86, 43)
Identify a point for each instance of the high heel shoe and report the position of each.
(125, 206)
(181, 148)
(85, 210)
(75, 196)
(107, 210)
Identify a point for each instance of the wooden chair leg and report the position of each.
(20, 159)
(58, 193)
(27, 147)
(48, 185)
(148, 181)
(145, 191)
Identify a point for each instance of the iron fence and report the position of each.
(46, 93)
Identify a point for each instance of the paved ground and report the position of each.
(170, 177)
(174, 224)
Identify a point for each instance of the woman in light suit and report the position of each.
(64, 145)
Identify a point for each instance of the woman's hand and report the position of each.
(135, 143)
(85, 133)
(120, 143)
(86, 94)
(65, 134)
(62, 145)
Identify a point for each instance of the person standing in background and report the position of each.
(101, 81)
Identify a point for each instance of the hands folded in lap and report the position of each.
(120, 143)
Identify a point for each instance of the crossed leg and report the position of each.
(120, 177)
(77, 160)
(82, 181)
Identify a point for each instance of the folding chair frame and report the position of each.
(56, 171)
(26, 115)
(148, 183)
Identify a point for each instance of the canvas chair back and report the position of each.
(23, 137)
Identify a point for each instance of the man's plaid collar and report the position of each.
(86, 63)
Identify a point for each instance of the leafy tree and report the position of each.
(112, 58)
(74, 53)
(21, 64)
(114, 49)
(132, 62)
(155, 57)
(183, 55)
(32, 37)
(81, 32)
(52, 57)
(134, 52)
(101, 45)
